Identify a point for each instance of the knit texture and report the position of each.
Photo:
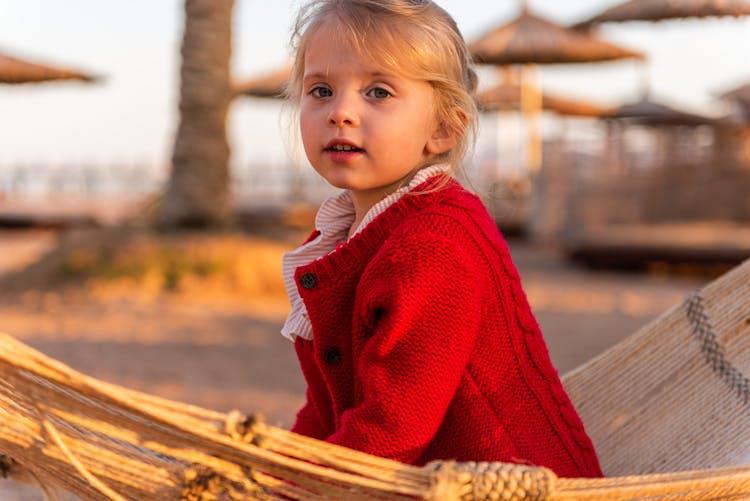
(333, 221)
(424, 345)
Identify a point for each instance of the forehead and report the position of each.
(379, 47)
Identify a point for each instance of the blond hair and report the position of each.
(416, 38)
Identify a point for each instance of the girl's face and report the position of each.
(365, 128)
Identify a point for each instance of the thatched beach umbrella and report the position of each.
(268, 85)
(530, 39)
(647, 112)
(671, 129)
(17, 71)
(660, 10)
(507, 97)
(650, 112)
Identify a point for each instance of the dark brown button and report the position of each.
(332, 356)
(308, 281)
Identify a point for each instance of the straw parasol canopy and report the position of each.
(17, 71)
(268, 85)
(507, 97)
(659, 10)
(650, 112)
(531, 39)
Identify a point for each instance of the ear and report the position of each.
(442, 140)
(446, 135)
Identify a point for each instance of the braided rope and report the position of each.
(713, 351)
(475, 481)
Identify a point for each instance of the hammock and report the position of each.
(668, 410)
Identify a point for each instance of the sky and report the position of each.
(131, 117)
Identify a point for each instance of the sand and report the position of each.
(223, 350)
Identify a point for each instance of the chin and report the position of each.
(341, 182)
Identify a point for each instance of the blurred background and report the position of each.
(150, 180)
(116, 136)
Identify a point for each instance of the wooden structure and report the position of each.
(734, 138)
(686, 171)
(650, 134)
(669, 186)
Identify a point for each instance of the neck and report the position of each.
(364, 200)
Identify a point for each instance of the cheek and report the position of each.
(306, 126)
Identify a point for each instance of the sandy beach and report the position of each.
(224, 351)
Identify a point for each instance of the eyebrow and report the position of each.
(324, 76)
(314, 76)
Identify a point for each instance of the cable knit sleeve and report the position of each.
(418, 319)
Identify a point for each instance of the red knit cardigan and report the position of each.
(424, 346)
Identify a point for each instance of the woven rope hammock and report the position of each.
(668, 410)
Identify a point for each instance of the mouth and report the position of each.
(338, 146)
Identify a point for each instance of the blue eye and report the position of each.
(378, 93)
(321, 92)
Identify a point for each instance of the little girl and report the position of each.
(408, 318)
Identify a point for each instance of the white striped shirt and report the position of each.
(334, 220)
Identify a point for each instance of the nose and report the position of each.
(343, 112)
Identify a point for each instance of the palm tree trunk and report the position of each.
(198, 193)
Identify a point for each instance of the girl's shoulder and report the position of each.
(452, 222)
(451, 208)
